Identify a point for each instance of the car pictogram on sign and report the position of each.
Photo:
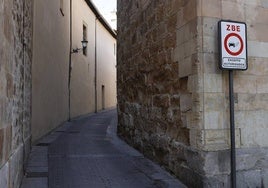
(231, 44)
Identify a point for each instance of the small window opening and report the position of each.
(84, 38)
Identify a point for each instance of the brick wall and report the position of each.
(174, 101)
(15, 88)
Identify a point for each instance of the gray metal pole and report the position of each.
(232, 130)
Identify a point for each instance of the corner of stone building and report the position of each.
(188, 131)
(160, 84)
(215, 135)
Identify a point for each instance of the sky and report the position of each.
(108, 10)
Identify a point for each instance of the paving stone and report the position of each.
(34, 183)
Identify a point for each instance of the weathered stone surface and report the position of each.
(161, 55)
(249, 179)
(15, 90)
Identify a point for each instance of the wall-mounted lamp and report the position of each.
(84, 46)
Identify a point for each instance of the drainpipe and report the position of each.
(70, 65)
(96, 92)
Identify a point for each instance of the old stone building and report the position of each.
(15, 89)
(173, 99)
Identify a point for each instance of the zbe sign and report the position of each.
(233, 45)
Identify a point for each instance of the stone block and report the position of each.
(252, 3)
(257, 49)
(245, 84)
(252, 158)
(187, 13)
(252, 102)
(262, 84)
(162, 101)
(210, 25)
(175, 100)
(210, 44)
(195, 84)
(191, 47)
(216, 163)
(258, 66)
(251, 119)
(220, 181)
(211, 8)
(258, 14)
(211, 63)
(185, 102)
(213, 83)
(257, 32)
(233, 11)
(185, 67)
(189, 31)
(196, 138)
(216, 140)
(214, 102)
(249, 178)
(254, 136)
(128, 120)
(213, 120)
(179, 53)
(194, 120)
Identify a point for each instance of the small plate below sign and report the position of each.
(234, 63)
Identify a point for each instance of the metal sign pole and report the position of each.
(232, 130)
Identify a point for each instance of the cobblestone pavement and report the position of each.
(86, 153)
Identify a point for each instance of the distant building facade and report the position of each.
(173, 99)
(90, 86)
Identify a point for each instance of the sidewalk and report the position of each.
(86, 153)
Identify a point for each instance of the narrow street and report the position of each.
(86, 153)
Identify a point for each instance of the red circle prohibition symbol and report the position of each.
(227, 48)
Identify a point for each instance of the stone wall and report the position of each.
(153, 100)
(15, 88)
(173, 100)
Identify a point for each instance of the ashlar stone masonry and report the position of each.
(15, 89)
(173, 100)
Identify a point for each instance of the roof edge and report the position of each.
(101, 18)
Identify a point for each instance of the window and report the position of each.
(84, 38)
(62, 7)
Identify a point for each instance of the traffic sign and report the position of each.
(233, 45)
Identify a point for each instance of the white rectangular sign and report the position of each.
(233, 45)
